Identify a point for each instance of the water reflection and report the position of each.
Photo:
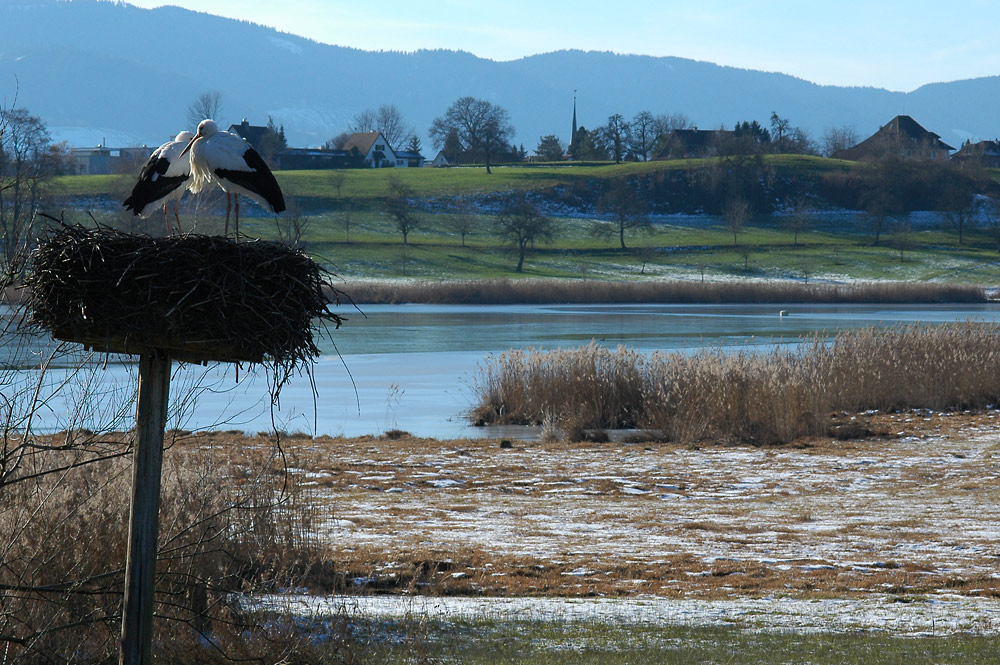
(411, 367)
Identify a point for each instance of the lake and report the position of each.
(412, 367)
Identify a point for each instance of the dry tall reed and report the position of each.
(760, 398)
(542, 291)
(229, 523)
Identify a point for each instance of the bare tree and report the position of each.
(399, 206)
(664, 124)
(461, 220)
(958, 198)
(736, 213)
(520, 223)
(336, 179)
(481, 128)
(393, 126)
(364, 121)
(836, 139)
(388, 120)
(625, 206)
(344, 219)
(27, 162)
(206, 105)
(780, 129)
(991, 214)
(800, 219)
(902, 237)
(883, 197)
(337, 142)
(616, 135)
(643, 135)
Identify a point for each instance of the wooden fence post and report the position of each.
(140, 568)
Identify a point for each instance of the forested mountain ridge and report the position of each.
(115, 71)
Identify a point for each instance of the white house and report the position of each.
(377, 152)
(439, 160)
(373, 147)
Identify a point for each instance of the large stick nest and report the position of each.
(196, 297)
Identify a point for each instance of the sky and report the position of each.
(894, 45)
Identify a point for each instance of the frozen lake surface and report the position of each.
(412, 367)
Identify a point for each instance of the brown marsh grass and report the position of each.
(542, 291)
(230, 522)
(760, 398)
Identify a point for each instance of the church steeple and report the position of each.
(572, 137)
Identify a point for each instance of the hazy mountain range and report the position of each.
(101, 70)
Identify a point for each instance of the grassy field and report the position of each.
(371, 248)
(365, 184)
(594, 643)
(671, 251)
(345, 227)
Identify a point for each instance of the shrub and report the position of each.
(230, 523)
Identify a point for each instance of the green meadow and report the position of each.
(342, 223)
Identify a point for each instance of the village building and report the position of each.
(374, 149)
(307, 159)
(408, 158)
(692, 143)
(985, 154)
(376, 152)
(901, 137)
(251, 133)
(439, 160)
(102, 160)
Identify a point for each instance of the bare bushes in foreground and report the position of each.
(230, 523)
(760, 398)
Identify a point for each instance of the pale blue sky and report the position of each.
(898, 45)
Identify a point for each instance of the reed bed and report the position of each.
(231, 522)
(542, 291)
(763, 398)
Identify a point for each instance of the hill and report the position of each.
(97, 70)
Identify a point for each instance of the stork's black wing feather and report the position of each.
(259, 179)
(152, 185)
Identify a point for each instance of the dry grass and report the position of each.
(904, 512)
(230, 521)
(758, 398)
(543, 291)
(904, 515)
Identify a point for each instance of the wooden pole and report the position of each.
(140, 568)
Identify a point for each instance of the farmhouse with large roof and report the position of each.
(903, 137)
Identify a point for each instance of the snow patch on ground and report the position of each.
(937, 614)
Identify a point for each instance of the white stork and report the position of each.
(163, 179)
(232, 163)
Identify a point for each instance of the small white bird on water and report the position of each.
(230, 162)
(163, 178)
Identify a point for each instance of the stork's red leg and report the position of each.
(177, 217)
(166, 216)
(229, 205)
